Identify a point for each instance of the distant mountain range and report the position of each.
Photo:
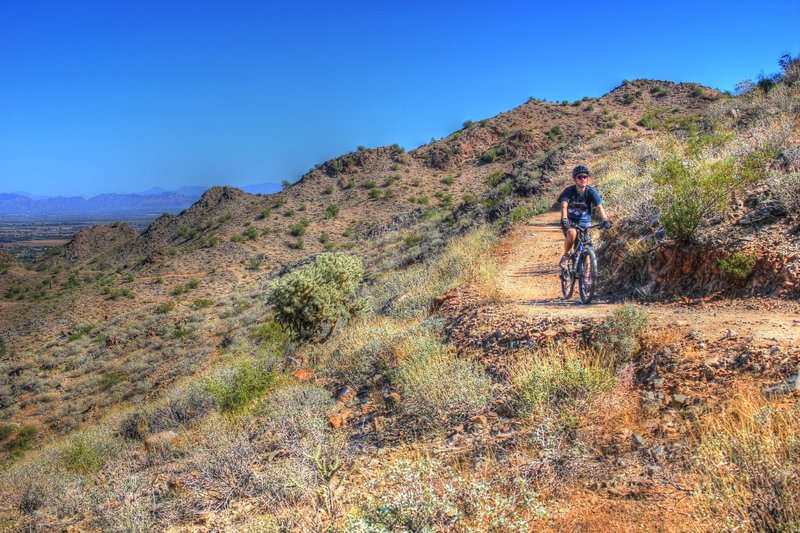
(152, 202)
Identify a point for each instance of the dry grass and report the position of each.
(556, 385)
(749, 463)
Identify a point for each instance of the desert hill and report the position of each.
(160, 345)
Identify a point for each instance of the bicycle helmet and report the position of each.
(580, 169)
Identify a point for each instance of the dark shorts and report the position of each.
(584, 224)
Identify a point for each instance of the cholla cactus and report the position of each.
(318, 294)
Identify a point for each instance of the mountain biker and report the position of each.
(577, 202)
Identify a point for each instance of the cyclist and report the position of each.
(577, 202)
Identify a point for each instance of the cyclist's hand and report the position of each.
(605, 224)
(564, 222)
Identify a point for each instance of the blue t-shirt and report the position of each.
(579, 205)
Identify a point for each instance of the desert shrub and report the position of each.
(111, 378)
(437, 385)
(87, 452)
(755, 165)
(251, 233)
(559, 384)
(374, 193)
(691, 192)
(368, 184)
(165, 307)
(428, 495)
(238, 238)
(490, 155)
(659, 91)
(24, 439)
(619, 334)
(787, 191)
(271, 336)
(738, 266)
(331, 211)
(80, 332)
(365, 348)
(316, 295)
(298, 230)
(234, 387)
(2, 348)
(6, 430)
(448, 180)
(202, 303)
(555, 133)
(266, 212)
(494, 179)
(521, 212)
(747, 462)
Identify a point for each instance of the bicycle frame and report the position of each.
(583, 240)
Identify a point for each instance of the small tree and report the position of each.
(317, 295)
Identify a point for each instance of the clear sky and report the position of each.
(121, 96)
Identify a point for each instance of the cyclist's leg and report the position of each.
(570, 234)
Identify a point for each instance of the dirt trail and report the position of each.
(530, 285)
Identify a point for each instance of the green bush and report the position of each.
(266, 212)
(234, 387)
(165, 307)
(251, 233)
(449, 180)
(202, 303)
(6, 430)
(271, 336)
(80, 456)
(316, 295)
(374, 193)
(489, 156)
(368, 184)
(691, 191)
(23, 441)
(739, 266)
(755, 165)
(619, 334)
(331, 211)
(555, 133)
(494, 179)
(557, 384)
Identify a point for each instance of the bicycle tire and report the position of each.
(567, 280)
(586, 286)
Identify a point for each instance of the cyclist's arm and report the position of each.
(601, 210)
(564, 205)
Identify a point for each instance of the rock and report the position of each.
(163, 441)
(479, 420)
(708, 372)
(658, 382)
(637, 441)
(303, 375)
(679, 399)
(393, 398)
(789, 385)
(345, 394)
(339, 420)
(730, 334)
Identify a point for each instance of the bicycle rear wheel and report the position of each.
(587, 280)
(567, 280)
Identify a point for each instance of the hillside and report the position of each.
(146, 384)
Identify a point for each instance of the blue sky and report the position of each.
(121, 96)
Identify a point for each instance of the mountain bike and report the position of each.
(581, 266)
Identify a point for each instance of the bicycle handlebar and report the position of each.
(584, 228)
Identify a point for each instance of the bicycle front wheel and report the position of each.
(587, 276)
(567, 280)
